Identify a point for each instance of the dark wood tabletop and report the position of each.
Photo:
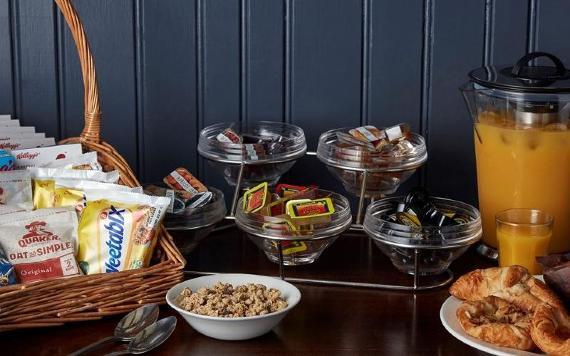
(328, 320)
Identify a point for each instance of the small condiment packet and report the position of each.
(228, 136)
(367, 133)
(36, 157)
(254, 199)
(182, 180)
(305, 208)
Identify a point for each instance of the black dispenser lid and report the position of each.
(522, 77)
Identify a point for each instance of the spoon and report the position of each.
(127, 328)
(152, 336)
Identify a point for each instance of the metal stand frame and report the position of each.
(357, 227)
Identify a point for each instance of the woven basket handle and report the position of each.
(91, 131)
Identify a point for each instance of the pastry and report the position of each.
(514, 284)
(551, 330)
(496, 321)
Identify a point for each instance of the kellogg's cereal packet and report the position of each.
(36, 157)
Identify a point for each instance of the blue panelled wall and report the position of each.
(167, 68)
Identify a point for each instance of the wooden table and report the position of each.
(328, 320)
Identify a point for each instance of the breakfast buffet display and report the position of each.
(62, 215)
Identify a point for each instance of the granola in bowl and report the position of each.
(225, 300)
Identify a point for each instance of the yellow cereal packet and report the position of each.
(43, 182)
(117, 230)
(69, 192)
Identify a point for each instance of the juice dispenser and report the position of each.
(522, 142)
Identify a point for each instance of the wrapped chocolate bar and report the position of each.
(40, 244)
(118, 230)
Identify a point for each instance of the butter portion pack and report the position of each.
(118, 230)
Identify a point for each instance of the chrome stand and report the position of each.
(334, 283)
(355, 229)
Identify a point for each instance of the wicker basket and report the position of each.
(54, 302)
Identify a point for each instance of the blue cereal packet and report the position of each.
(7, 275)
(7, 161)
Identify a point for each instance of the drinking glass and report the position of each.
(523, 234)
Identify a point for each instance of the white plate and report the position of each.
(448, 317)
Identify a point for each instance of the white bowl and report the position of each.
(242, 328)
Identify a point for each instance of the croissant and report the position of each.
(513, 283)
(496, 321)
(551, 330)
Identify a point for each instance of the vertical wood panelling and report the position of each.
(37, 67)
(326, 74)
(168, 68)
(265, 33)
(395, 65)
(221, 71)
(553, 29)
(109, 26)
(326, 66)
(6, 80)
(168, 86)
(457, 48)
(509, 29)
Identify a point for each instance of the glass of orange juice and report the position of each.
(523, 234)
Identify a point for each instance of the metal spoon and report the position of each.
(152, 336)
(127, 328)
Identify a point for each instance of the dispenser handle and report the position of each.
(523, 62)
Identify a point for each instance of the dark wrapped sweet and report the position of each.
(557, 274)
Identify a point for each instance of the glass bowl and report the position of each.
(196, 223)
(385, 172)
(299, 247)
(437, 246)
(265, 161)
